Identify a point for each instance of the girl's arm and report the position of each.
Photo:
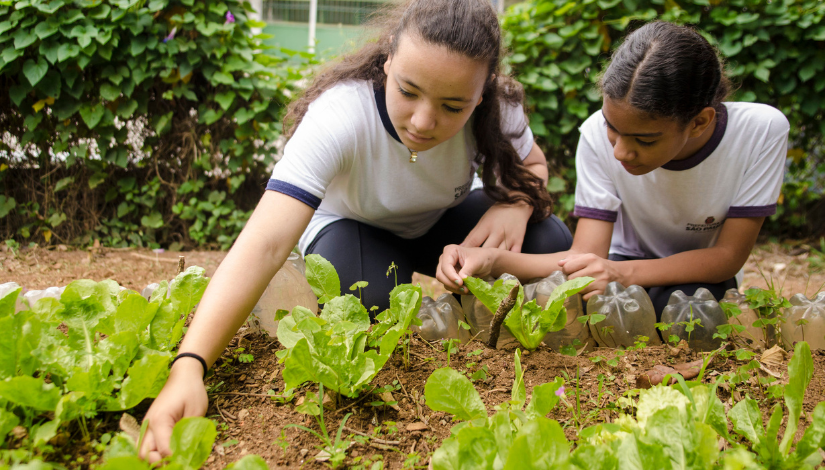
(711, 265)
(503, 225)
(457, 262)
(258, 253)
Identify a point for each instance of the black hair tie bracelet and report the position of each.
(194, 356)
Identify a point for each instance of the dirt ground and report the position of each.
(402, 436)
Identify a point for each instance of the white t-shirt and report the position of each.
(682, 205)
(345, 160)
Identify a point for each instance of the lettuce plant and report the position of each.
(528, 322)
(333, 348)
(191, 443)
(111, 352)
(512, 438)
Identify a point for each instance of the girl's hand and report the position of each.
(502, 226)
(602, 270)
(476, 262)
(183, 395)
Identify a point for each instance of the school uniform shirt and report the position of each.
(345, 160)
(682, 205)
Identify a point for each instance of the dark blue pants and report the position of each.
(661, 295)
(361, 252)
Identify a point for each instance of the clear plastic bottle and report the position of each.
(628, 314)
(805, 321)
(31, 297)
(540, 290)
(287, 289)
(682, 309)
(752, 336)
(479, 318)
(439, 319)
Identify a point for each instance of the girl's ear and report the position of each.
(700, 123)
(387, 65)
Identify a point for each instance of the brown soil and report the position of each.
(251, 422)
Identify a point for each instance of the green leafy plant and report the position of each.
(528, 322)
(150, 112)
(112, 351)
(768, 305)
(337, 447)
(514, 437)
(332, 348)
(191, 443)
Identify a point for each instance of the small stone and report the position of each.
(242, 378)
(442, 422)
(304, 452)
(243, 414)
(525, 353)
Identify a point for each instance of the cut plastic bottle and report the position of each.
(805, 321)
(31, 297)
(439, 319)
(479, 318)
(682, 309)
(287, 289)
(752, 336)
(628, 314)
(540, 290)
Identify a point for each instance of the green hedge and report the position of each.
(775, 52)
(133, 120)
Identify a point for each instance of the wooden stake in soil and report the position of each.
(181, 264)
(505, 307)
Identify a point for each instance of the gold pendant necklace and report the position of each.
(413, 155)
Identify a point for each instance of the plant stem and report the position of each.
(505, 307)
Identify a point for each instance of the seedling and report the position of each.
(337, 448)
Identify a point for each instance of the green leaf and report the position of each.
(127, 108)
(322, 278)
(30, 392)
(346, 308)
(191, 442)
(144, 379)
(24, 38)
(8, 421)
(747, 421)
(109, 92)
(154, 220)
(449, 391)
(544, 399)
(249, 462)
(7, 204)
(63, 183)
(814, 436)
(539, 444)
(92, 114)
(519, 391)
(800, 371)
(35, 71)
(163, 123)
(9, 299)
(222, 78)
(225, 99)
(46, 28)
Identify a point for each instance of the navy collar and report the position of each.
(707, 149)
(381, 104)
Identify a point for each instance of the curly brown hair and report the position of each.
(468, 27)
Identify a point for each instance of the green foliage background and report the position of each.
(134, 120)
(775, 53)
(112, 131)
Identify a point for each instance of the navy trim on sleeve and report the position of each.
(294, 191)
(381, 104)
(735, 212)
(598, 214)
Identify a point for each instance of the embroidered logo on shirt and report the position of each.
(710, 224)
(462, 190)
